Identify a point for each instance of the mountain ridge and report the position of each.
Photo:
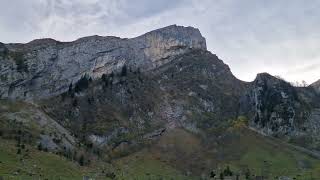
(38, 61)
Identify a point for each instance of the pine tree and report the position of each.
(40, 147)
(81, 160)
(124, 70)
(70, 88)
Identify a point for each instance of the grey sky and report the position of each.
(281, 37)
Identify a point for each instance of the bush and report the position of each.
(227, 172)
(81, 160)
(221, 176)
(247, 174)
(40, 147)
(111, 175)
(212, 174)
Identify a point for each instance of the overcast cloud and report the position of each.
(251, 36)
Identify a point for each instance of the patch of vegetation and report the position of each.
(82, 84)
(143, 166)
(18, 58)
(107, 79)
(3, 53)
(240, 122)
(31, 164)
(263, 157)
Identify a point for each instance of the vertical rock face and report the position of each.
(271, 104)
(276, 108)
(45, 67)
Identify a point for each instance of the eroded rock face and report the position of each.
(44, 68)
(275, 107)
(271, 104)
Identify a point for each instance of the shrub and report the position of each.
(111, 175)
(81, 160)
(40, 147)
(227, 172)
(221, 176)
(247, 174)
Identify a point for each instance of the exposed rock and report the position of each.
(270, 103)
(45, 67)
(155, 134)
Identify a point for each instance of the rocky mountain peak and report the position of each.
(46, 67)
(183, 35)
(267, 79)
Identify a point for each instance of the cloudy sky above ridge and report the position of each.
(278, 37)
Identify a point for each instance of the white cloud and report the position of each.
(279, 37)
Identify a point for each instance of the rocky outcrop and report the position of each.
(276, 108)
(270, 103)
(45, 67)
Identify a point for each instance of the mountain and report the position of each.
(45, 67)
(157, 105)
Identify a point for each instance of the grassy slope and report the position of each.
(265, 157)
(180, 150)
(177, 154)
(45, 165)
(258, 154)
(143, 165)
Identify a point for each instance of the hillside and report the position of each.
(156, 106)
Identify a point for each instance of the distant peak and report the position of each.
(264, 75)
(266, 78)
(186, 35)
(42, 41)
(177, 28)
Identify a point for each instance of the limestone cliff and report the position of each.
(46, 67)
